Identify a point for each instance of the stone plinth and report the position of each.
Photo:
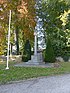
(36, 59)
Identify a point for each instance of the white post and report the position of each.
(35, 44)
(8, 41)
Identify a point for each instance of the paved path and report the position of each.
(33, 65)
(53, 84)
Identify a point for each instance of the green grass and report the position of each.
(21, 73)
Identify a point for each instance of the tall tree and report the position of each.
(51, 12)
(23, 19)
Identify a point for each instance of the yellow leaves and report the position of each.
(22, 9)
(2, 44)
(22, 16)
(28, 35)
(2, 40)
(64, 17)
(27, 12)
(3, 1)
(68, 11)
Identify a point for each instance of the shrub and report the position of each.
(27, 51)
(49, 52)
(24, 58)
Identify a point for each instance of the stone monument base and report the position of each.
(36, 59)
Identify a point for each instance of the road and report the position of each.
(51, 84)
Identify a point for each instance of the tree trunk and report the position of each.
(17, 40)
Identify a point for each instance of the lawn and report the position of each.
(21, 73)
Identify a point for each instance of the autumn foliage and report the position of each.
(27, 12)
(25, 18)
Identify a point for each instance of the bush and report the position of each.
(49, 52)
(66, 55)
(24, 58)
(26, 52)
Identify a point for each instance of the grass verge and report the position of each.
(21, 73)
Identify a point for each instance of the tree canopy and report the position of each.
(23, 20)
(55, 15)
